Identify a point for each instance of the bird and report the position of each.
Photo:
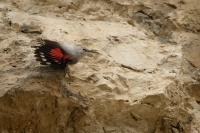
(60, 54)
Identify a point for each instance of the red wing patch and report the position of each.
(66, 56)
(56, 55)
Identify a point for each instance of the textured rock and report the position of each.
(145, 79)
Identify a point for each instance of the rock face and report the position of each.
(145, 79)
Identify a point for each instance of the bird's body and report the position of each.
(52, 52)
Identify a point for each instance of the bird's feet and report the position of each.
(67, 72)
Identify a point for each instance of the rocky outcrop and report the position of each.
(145, 79)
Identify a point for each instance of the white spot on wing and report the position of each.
(42, 56)
(44, 59)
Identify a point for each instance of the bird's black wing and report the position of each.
(48, 52)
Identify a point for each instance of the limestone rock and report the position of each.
(145, 79)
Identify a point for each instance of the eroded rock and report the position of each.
(144, 80)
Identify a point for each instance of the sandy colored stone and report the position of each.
(145, 79)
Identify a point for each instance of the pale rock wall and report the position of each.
(145, 79)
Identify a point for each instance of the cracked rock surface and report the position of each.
(145, 79)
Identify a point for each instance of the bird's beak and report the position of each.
(91, 51)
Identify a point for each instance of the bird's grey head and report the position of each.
(75, 51)
(80, 51)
